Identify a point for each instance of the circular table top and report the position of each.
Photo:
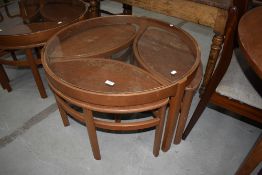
(76, 58)
(28, 22)
(250, 38)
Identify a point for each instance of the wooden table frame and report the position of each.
(173, 88)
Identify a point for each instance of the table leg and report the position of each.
(62, 112)
(91, 130)
(187, 100)
(174, 109)
(35, 72)
(159, 130)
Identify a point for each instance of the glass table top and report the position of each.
(166, 52)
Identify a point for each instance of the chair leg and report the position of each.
(253, 158)
(187, 100)
(4, 80)
(91, 130)
(62, 113)
(159, 130)
(35, 72)
(198, 111)
(174, 108)
(13, 55)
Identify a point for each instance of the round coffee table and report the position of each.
(165, 61)
(28, 24)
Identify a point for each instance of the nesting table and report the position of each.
(119, 65)
(27, 24)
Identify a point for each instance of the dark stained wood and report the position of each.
(209, 95)
(237, 107)
(93, 10)
(4, 79)
(216, 47)
(218, 40)
(252, 160)
(250, 38)
(219, 71)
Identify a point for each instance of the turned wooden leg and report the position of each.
(35, 72)
(252, 160)
(212, 60)
(159, 130)
(93, 10)
(127, 9)
(4, 79)
(91, 130)
(187, 99)
(174, 108)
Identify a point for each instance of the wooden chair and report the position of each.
(215, 90)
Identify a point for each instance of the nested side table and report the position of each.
(84, 74)
(28, 24)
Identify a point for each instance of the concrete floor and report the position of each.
(34, 141)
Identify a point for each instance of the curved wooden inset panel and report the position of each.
(167, 52)
(93, 41)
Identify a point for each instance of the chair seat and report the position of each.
(236, 86)
(223, 4)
